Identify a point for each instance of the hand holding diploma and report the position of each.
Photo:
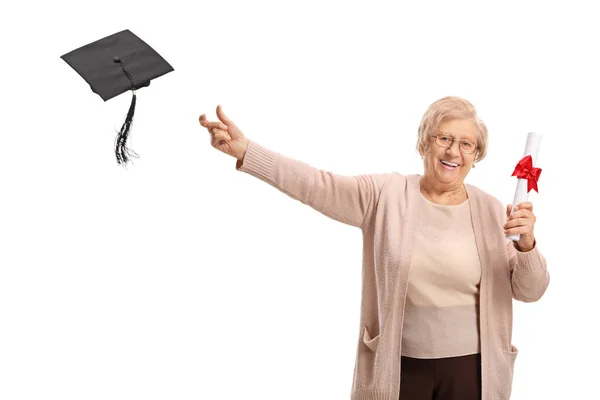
(520, 219)
(520, 222)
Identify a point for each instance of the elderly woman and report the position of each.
(439, 274)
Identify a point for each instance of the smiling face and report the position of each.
(449, 166)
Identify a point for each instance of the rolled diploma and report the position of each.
(531, 149)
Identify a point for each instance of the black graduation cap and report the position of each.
(114, 65)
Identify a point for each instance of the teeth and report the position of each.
(449, 163)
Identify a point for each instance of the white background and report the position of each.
(182, 278)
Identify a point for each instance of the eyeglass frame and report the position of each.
(475, 147)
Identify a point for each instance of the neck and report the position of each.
(440, 193)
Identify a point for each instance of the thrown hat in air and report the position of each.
(114, 65)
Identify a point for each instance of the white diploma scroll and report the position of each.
(531, 149)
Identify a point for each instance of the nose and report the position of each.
(453, 150)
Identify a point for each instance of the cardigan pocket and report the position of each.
(368, 359)
(509, 363)
(370, 342)
(512, 354)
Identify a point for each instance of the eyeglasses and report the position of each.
(464, 145)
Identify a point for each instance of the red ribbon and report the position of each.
(525, 170)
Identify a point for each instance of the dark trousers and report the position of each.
(452, 378)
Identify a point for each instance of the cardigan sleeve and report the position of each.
(529, 273)
(347, 199)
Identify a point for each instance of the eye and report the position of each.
(445, 138)
(467, 145)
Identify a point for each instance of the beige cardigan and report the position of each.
(384, 207)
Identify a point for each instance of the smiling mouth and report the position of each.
(449, 165)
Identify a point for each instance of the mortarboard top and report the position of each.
(114, 65)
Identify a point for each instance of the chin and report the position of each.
(443, 178)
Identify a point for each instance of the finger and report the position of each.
(221, 137)
(211, 124)
(221, 115)
(526, 205)
(529, 218)
(221, 134)
(520, 230)
(508, 208)
(217, 125)
(522, 214)
(203, 120)
(518, 222)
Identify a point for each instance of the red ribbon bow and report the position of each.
(525, 170)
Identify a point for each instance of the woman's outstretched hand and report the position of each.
(225, 135)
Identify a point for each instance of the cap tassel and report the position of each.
(122, 153)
